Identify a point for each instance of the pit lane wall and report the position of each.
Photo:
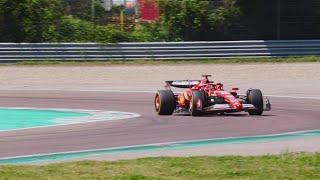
(157, 50)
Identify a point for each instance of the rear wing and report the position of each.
(183, 83)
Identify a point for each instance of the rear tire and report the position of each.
(165, 102)
(254, 97)
(197, 103)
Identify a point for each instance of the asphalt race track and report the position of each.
(288, 115)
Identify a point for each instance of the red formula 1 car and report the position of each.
(204, 96)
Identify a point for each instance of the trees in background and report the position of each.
(181, 20)
(199, 19)
(29, 20)
(71, 21)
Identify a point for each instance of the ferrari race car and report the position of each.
(205, 96)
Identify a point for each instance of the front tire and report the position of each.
(165, 102)
(197, 103)
(254, 97)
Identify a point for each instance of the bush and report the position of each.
(151, 32)
(76, 30)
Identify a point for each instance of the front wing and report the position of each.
(228, 108)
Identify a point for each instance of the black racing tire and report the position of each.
(197, 96)
(166, 102)
(254, 97)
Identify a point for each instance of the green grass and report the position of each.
(157, 62)
(286, 166)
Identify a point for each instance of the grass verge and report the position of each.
(157, 62)
(286, 166)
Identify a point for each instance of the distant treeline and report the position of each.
(181, 20)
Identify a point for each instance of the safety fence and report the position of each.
(157, 50)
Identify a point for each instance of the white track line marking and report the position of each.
(157, 144)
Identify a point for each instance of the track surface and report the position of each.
(287, 115)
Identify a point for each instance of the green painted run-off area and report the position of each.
(14, 119)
